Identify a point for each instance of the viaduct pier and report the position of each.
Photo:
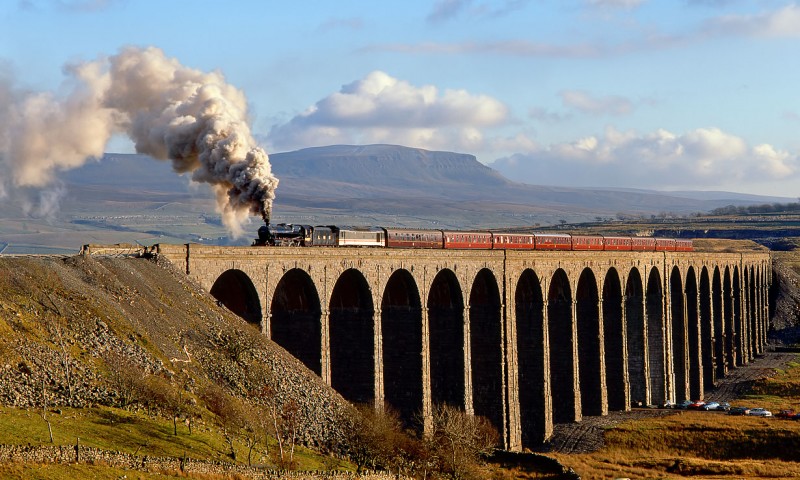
(524, 338)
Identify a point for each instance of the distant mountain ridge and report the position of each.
(388, 171)
(412, 186)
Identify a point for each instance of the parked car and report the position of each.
(684, 404)
(696, 405)
(669, 404)
(787, 414)
(760, 412)
(724, 406)
(710, 406)
(739, 411)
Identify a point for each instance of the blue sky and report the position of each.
(678, 94)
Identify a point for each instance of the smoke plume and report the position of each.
(171, 112)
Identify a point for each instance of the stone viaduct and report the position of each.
(526, 339)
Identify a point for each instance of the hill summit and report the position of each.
(389, 166)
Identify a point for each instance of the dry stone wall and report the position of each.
(66, 454)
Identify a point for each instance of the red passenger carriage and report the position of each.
(413, 238)
(665, 244)
(516, 241)
(612, 244)
(643, 244)
(683, 245)
(553, 241)
(587, 242)
(462, 239)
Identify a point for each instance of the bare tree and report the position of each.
(171, 399)
(262, 394)
(44, 411)
(176, 397)
(55, 331)
(377, 440)
(286, 429)
(282, 418)
(461, 439)
(232, 417)
(125, 377)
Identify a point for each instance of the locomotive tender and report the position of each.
(284, 234)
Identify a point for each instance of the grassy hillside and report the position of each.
(692, 444)
(118, 347)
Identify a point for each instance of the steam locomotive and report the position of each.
(284, 234)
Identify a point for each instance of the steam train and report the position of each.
(284, 234)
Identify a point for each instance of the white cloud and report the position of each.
(702, 158)
(710, 3)
(780, 22)
(783, 22)
(586, 103)
(445, 10)
(545, 116)
(625, 4)
(382, 109)
(514, 48)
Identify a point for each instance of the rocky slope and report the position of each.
(785, 298)
(66, 324)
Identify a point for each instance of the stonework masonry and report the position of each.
(67, 454)
(526, 339)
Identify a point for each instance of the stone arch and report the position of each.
(680, 345)
(730, 333)
(654, 307)
(637, 347)
(486, 342)
(765, 311)
(401, 333)
(529, 309)
(719, 324)
(236, 291)
(352, 338)
(295, 318)
(446, 320)
(693, 336)
(707, 345)
(562, 358)
(738, 324)
(587, 316)
(750, 283)
(614, 336)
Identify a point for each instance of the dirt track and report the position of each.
(587, 435)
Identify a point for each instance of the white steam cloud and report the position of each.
(171, 112)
